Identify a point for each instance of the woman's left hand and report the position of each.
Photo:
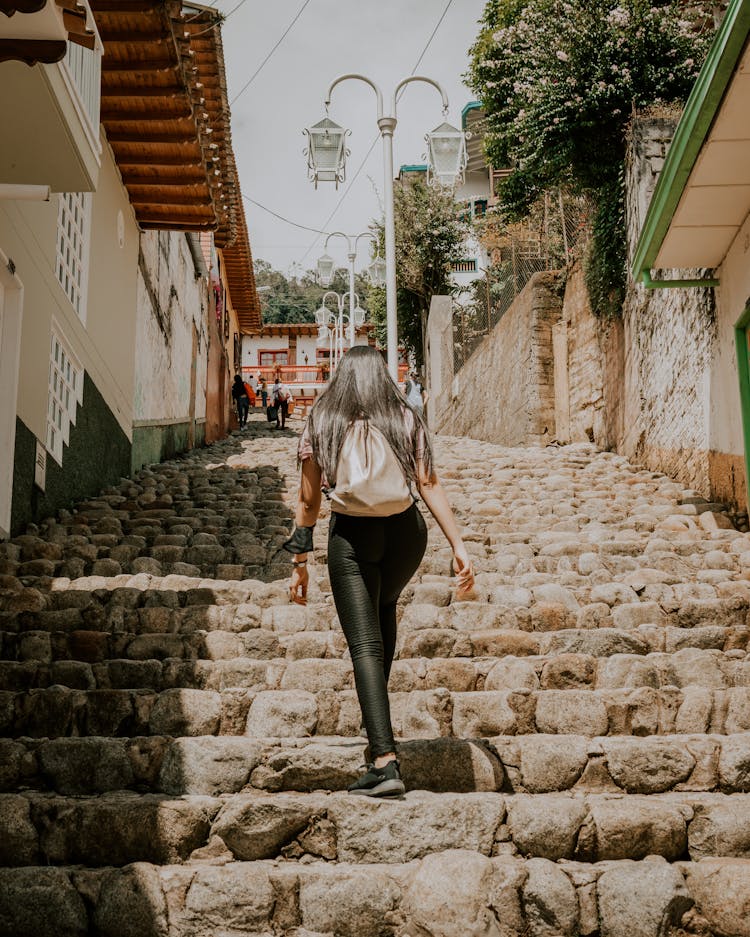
(298, 585)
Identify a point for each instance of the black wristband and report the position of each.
(301, 540)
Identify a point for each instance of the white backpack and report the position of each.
(369, 479)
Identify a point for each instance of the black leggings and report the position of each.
(370, 560)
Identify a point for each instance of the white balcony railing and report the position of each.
(83, 68)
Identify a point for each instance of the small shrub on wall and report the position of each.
(559, 80)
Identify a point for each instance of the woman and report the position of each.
(370, 558)
(263, 392)
(242, 401)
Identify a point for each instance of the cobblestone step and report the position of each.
(576, 742)
(533, 764)
(54, 829)
(469, 892)
(296, 713)
(151, 666)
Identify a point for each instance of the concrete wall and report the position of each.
(669, 337)
(505, 392)
(726, 448)
(172, 349)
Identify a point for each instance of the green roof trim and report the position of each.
(413, 167)
(692, 130)
(471, 106)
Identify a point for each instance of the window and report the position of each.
(464, 266)
(73, 222)
(65, 393)
(269, 359)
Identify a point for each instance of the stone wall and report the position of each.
(172, 349)
(505, 392)
(668, 338)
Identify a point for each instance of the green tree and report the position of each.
(429, 237)
(295, 299)
(560, 79)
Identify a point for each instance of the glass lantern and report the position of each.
(446, 150)
(321, 317)
(326, 152)
(360, 315)
(326, 267)
(376, 272)
(323, 333)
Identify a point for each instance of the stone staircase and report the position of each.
(178, 738)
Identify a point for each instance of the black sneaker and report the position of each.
(380, 782)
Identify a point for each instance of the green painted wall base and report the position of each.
(98, 454)
(155, 443)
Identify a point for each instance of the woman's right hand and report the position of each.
(462, 568)
(298, 585)
(461, 561)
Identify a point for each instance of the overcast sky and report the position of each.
(381, 39)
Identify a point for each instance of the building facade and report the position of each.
(109, 323)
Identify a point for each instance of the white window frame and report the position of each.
(65, 393)
(73, 245)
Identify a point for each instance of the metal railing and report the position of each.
(549, 239)
(300, 377)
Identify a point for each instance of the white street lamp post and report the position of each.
(352, 243)
(333, 323)
(325, 172)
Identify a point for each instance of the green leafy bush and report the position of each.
(560, 79)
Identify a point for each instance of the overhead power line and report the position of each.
(260, 68)
(281, 217)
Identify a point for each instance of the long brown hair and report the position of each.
(362, 388)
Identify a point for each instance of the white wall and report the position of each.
(171, 303)
(732, 298)
(252, 344)
(105, 344)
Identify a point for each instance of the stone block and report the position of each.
(721, 891)
(19, 840)
(282, 713)
(85, 765)
(632, 828)
(258, 826)
(734, 763)
(138, 829)
(455, 894)
(423, 823)
(131, 903)
(41, 902)
(549, 900)
(512, 673)
(316, 675)
(351, 903)
(647, 766)
(233, 899)
(721, 828)
(571, 712)
(209, 765)
(483, 713)
(548, 766)
(657, 888)
(633, 614)
(569, 672)
(186, 712)
(546, 825)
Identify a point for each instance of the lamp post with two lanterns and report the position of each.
(326, 160)
(331, 324)
(326, 268)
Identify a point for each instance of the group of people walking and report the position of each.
(245, 395)
(366, 447)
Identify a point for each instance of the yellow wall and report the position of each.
(105, 344)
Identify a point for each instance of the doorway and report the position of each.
(11, 310)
